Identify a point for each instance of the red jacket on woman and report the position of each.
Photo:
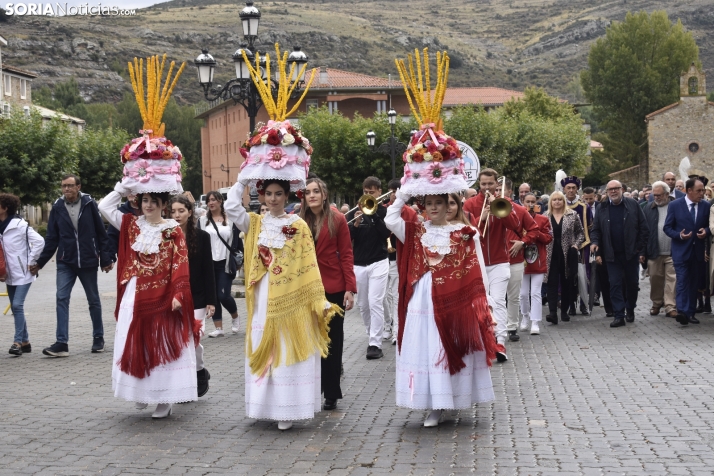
(334, 256)
(545, 236)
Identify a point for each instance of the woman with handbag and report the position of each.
(536, 267)
(203, 284)
(225, 245)
(333, 247)
(567, 234)
(20, 247)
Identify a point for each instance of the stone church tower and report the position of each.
(682, 129)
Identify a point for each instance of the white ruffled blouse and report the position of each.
(437, 239)
(271, 230)
(150, 235)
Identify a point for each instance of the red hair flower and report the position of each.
(467, 233)
(300, 194)
(259, 187)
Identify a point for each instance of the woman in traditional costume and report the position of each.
(154, 357)
(446, 340)
(288, 314)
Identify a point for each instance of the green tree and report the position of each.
(341, 156)
(99, 164)
(634, 70)
(101, 115)
(185, 131)
(34, 154)
(527, 139)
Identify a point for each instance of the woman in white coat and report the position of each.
(21, 246)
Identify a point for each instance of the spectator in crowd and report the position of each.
(619, 238)
(646, 191)
(680, 186)
(571, 185)
(371, 266)
(225, 244)
(659, 253)
(567, 234)
(263, 208)
(687, 223)
(345, 208)
(471, 192)
(333, 248)
(523, 190)
(531, 287)
(589, 198)
(76, 231)
(21, 246)
(708, 194)
(544, 200)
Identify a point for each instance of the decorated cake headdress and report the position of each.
(151, 162)
(432, 162)
(276, 150)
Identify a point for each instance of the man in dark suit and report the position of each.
(619, 237)
(687, 223)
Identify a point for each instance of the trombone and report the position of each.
(500, 207)
(367, 204)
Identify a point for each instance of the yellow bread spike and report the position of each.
(417, 85)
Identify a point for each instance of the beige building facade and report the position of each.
(682, 129)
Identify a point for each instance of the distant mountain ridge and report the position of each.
(509, 44)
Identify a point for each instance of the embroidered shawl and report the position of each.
(458, 293)
(298, 313)
(157, 334)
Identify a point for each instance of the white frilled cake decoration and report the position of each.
(151, 162)
(432, 163)
(276, 150)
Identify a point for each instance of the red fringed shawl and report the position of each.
(157, 334)
(458, 293)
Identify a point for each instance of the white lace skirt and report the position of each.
(289, 393)
(422, 383)
(171, 383)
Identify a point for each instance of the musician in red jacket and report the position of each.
(495, 251)
(536, 267)
(333, 247)
(517, 241)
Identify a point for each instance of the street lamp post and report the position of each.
(392, 146)
(241, 88)
(227, 170)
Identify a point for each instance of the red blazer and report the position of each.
(545, 236)
(494, 245)
(334, 256)
(527, 231)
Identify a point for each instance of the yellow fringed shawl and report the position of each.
(297, 312)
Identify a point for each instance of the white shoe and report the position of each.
(387, 336)
(525, 324)
(235, 325)
(162, 411)
(285, 425)
(433, 418)
(216, 333)
(535, 330)
(141, 406)
(394, 340)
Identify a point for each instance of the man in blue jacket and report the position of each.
(687, 223)
(76, 232)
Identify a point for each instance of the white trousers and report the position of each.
(371, 287)
(531, 300)
(391, 301)
(199, 315)
(514, 295)
(498, 276)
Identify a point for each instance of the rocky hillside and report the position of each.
(501, 43)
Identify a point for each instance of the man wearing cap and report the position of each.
(571, 185)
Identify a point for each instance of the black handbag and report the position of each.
(235, 258)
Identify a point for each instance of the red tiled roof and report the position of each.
(337, 78)
(659, 111)
(22, 72)
(484, 96)
(595, 145)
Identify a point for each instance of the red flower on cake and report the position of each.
(431, 148)
(436, 156)
(156, 154)
(273, 137)
(417, 157)
(244, 152)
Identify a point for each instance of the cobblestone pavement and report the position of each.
(581, 398)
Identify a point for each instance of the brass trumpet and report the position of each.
(367, 204)
(500, 207)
